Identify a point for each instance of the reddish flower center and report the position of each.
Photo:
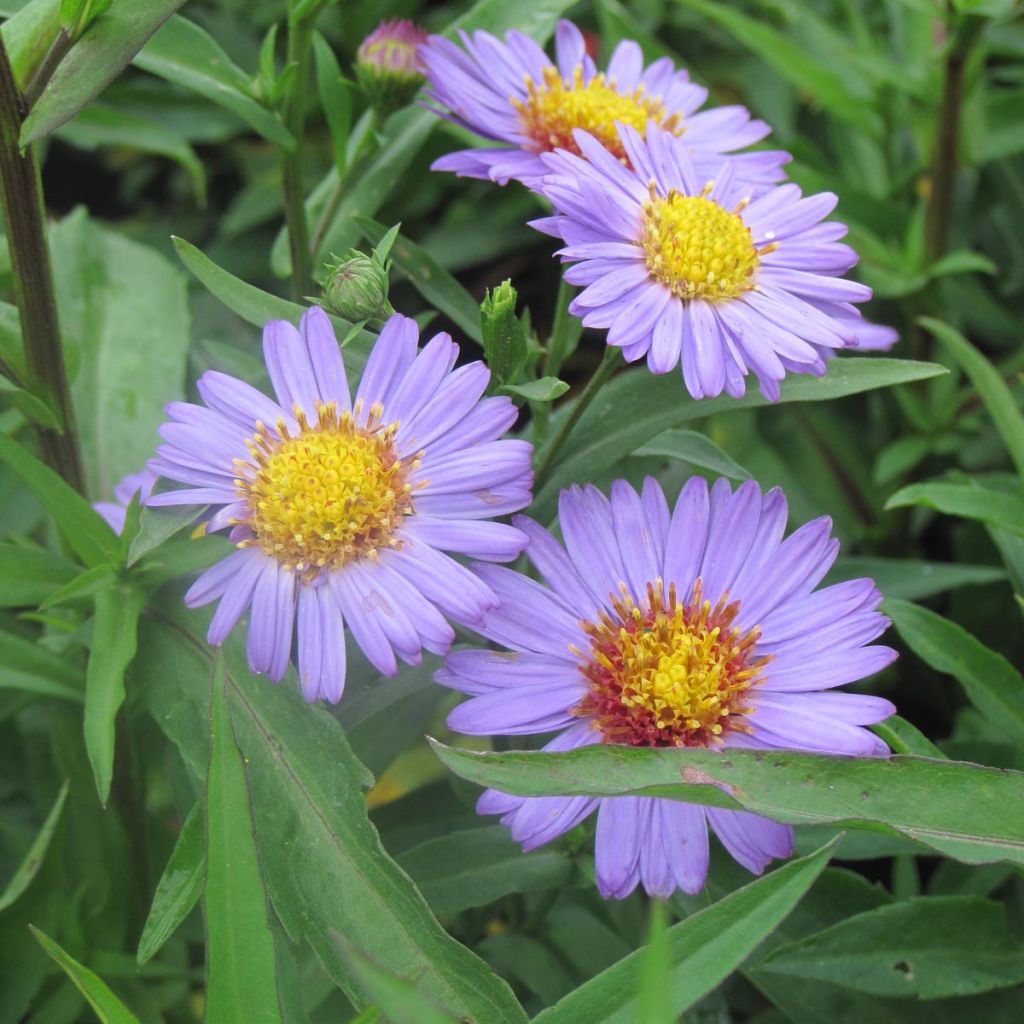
(669, 674)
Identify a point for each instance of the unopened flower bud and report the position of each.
(388, 66)
(356, 287)
(503, 336)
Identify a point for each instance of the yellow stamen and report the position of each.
(332, 492)
(699, 249)
(554, 107)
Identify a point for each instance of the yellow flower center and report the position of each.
(554, 107)
(330, 493)
(699, 249)
(670, 674)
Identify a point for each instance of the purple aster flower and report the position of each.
(514, 95)
(697, 626)
(342, 509)
(680, 268)
(114, 512)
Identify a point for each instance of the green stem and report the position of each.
(607, 366)
(300, 49)
(947, 142)
(24, 218)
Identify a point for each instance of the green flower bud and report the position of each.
(388, 67)
(356, 287)
(503, 336)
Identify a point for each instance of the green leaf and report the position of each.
(962, 261)
(241, 968)
(994, 391)
(83, 586)
(32, 668)
(604, 435)
(547, 389)
(813, 77)
(992, 684)
(429, 278)
(126, 307)
(36, 852)
(28, 35)
(474, 867)
(905, 738)
(113, 647)
(324, 865)
(94, 62)
(108, 1007)
(99, 125)
(703, 950)
(929, 947)
(400, 1000)
(157, 525)
(256, 306)
(693, 448)
(83, 528)
(29, 575)
(185, 54)
(335, 99)
(179, 888)
(972, 813)
(966, 500)
(914, 580)
(32, 407)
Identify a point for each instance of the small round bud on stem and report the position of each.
(388, 67)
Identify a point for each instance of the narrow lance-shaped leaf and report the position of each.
(113, 647)
(86, 532)
(179, 888)
(991, 387)
(696, 449)
(36, 852)
(399, 998)
(108, 1007)
(967, 500)
(324, 865)
(604, 435)
(972, 813)
(703, 950)
(930, 947)
(94, 61)
(992, 684)
(242, 972)
(30, 574)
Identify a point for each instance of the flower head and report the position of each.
(697, 626)
(682, 268)
(114, 512)
(388, 65)
(341, 510)
(511, 93)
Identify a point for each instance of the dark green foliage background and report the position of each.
(198, 842)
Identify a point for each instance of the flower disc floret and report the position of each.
(328, 494)
(556, 107)
(668, 673)
(697, 248)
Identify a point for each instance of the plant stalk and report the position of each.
(24, 218)
(947, 142)
(609, 362)
(300, 48)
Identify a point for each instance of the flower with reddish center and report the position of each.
(703, 273)
(511, 93)
(697, 626)
(341, 510)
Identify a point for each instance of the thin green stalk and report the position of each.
(24, 218)
(607, 366)
(947, 142)
(300, 49)
(565, 332)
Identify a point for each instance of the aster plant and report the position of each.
(433, 602)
